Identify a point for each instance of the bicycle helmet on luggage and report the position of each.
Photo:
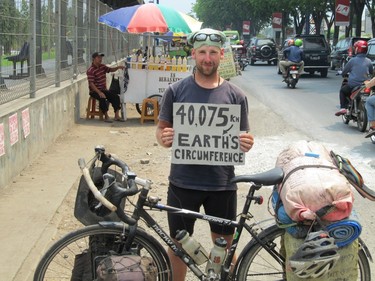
(298, 42)
(360, 47)
(315, 257)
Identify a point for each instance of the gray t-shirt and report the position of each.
(202, 177)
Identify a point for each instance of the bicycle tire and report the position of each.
(58, 262)
(257, 264)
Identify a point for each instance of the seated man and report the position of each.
(293, 55)
(96, 76)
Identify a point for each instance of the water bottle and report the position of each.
(192, 247)
(217, 256)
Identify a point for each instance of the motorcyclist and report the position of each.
(359, 69)
(293, 55)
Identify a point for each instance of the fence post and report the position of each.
(32, 51)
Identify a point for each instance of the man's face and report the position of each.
(207, 59)
(98, 60)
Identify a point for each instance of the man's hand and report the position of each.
(102, 95)
(246, 142)
(166, 137)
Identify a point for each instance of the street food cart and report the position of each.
(150, 79)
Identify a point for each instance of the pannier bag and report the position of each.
(126, 268)
(312, 182)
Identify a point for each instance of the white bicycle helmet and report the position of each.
(316, 256)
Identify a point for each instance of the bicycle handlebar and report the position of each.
(118, 192)
(93, 188)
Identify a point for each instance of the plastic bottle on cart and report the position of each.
(174, 63)
(217, 256)
(184, 65)
(133, 61)
(140, 61)
(157, 63)
(192, 247)
(179, 64)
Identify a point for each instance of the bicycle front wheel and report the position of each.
(76, 255)
(258, 264)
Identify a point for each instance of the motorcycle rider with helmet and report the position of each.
(358, 69)
(293, 55)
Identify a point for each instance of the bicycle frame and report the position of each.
(140, 212)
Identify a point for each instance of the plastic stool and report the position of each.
(92, 110)
(150, 110)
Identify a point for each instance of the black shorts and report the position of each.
(221, 204)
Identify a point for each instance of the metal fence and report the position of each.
(44, 42)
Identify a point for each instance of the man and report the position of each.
(293, 55)
(193, 186)
(96, 76)
(359, 69)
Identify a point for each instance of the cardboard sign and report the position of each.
(206, 134)
(227, 68)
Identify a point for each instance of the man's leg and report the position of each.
(282, 66)
(103, 105)
(344, 94)
(301, 66)
(186, 199)
(114, 99)
(370, 108)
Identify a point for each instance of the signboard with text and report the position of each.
(277, 21)
(206, 134)
(246, 27)
(13, 129)
(342, 12)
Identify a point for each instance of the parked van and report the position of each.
(233, 36)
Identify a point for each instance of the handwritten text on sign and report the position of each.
(206, 134)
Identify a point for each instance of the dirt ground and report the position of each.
(54, 177)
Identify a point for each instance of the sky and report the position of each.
(181, 5)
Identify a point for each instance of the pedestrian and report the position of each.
(358, 69)
(96, 76)
(193, 186)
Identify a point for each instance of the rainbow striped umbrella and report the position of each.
(150, 17)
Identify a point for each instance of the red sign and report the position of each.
(342, 11)
(277, 21)
(246, 27)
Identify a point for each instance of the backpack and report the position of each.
(313, 183)
(126, 268)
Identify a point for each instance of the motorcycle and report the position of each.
(292, 75)
(356, 110)
(243, 62)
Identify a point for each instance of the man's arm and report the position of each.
(113, 69)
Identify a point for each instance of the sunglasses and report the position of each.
(202, 37)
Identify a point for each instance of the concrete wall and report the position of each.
(51, 113)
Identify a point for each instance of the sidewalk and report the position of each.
(29, 207)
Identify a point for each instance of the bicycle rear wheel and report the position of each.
(257, 263)
(76, 255)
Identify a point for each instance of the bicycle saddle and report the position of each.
(270, 177)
